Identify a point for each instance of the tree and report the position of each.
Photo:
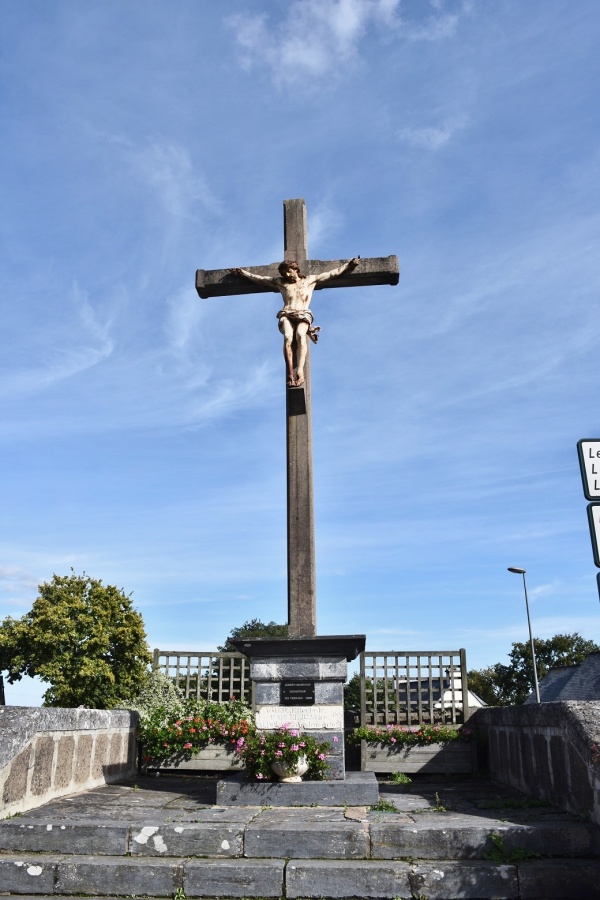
(501, 685)
(253, 628)
(83, 638)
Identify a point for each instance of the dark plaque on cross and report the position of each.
(295, 279)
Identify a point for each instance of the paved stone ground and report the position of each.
(433, 839)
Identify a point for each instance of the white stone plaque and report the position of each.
(305, 718)
(589, 462)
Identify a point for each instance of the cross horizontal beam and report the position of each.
(372, 270)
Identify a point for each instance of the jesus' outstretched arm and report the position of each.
(333, 273)
(262, 279)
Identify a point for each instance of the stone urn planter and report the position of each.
(291, 774)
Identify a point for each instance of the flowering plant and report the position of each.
(165, 734)
(411, 735)
(287, 746)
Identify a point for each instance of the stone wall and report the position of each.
(550, 751)
(47, 753)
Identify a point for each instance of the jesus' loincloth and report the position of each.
(294, 316)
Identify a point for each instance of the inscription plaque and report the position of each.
(297, 693)
(305, 718)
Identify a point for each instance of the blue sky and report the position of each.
(142, 433)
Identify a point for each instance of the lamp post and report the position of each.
(535, 678)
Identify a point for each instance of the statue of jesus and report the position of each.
(296, 319)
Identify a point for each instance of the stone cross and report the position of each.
(302, 606)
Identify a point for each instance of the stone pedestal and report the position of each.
(300, 683)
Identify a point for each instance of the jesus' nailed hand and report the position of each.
(296, 319)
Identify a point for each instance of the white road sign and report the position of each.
(594, 520)
(589, 462)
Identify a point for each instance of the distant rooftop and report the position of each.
(578, 682)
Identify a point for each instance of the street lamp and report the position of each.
(535, 678)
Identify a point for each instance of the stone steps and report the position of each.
(154, 837)
(304, 833)
(53, 875)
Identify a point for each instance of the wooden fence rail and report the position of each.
(413, 687)
(206, 675)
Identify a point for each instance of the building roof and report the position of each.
(578, 682)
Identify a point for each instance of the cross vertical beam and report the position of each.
(302, 582)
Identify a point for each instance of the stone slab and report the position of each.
(242, 878)
(326, 692)
(124, 876)
(24, 835)
(312, 668)
(444, 836)
(342, 879)
(357, 789)
(465, 879)
(305, 834)
(554, 879)
(219, 840)
(33, 874)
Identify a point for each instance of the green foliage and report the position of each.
(82, 637)
(180, 728)
(158, 694)
(352, 693)
(253, 628)
(411, 736)
(287, 746)
(501, 685)
(500, 854)
(400, 778)
(438, 805)
(384, 806)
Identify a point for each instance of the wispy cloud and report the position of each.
(86, 343)
(314, 38)
(432, 137)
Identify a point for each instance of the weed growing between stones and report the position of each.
(400, 778)
(179, 894)
(384, 806)
(501, 855)
(438, 806)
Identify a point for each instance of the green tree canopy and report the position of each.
(253, 628)
(82, 637)
(501, 685)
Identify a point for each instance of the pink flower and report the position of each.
(278, 753)
(294, 747)
(187, 746)
(294, 732)
(260, 775)
(262, 752)
(281, 745)
(302, 744)
(335, 740)
(321, 756)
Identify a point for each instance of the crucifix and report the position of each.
(295, 279)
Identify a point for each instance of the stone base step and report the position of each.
(356, 789)
(43, 876)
